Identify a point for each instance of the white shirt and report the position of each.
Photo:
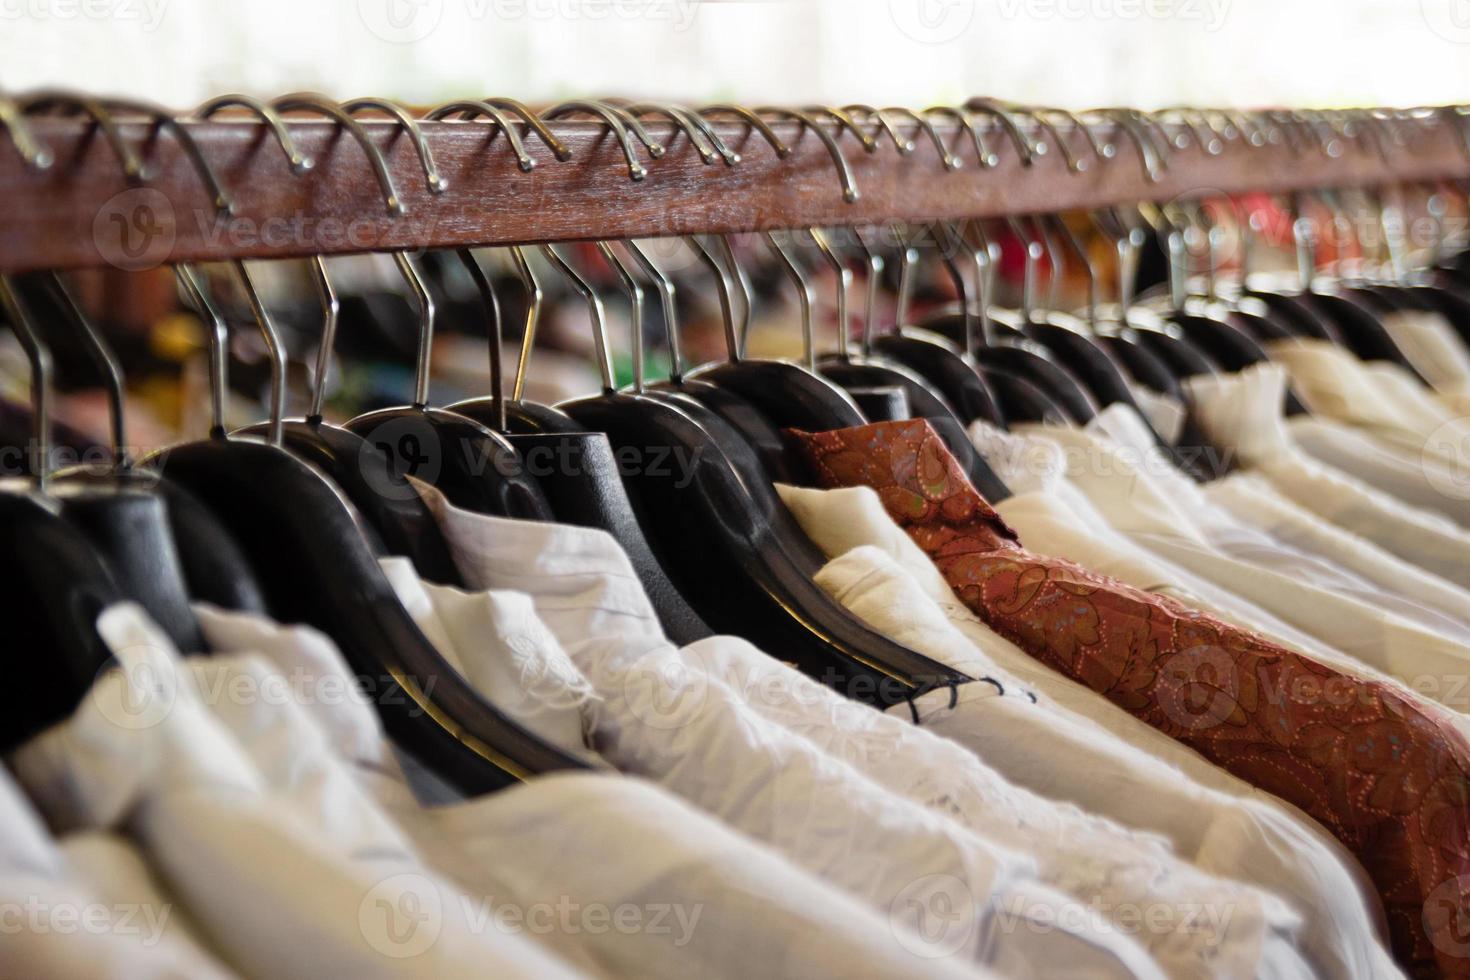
(694, 897)
(86, 907)
(1242, 412)
(1421, 479)
(1165, 513)
(1165, 413)
(1252, 498)
(1378, 396)
(1076, 745)
(1054, 517)
(670, 715)
(1430, 343)
(274, 895)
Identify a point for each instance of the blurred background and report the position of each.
(1076, 53)
(1071, 53)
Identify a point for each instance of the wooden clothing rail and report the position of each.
(82, 210)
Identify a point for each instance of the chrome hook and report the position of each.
(298, 162)
(805, 296)
(634, 289)
(595, 308)
(327, 297)
(614, 121)
(1025, 149)
(426, 327)
(436, 182)
(492, 315)
(682, 123)
(218, 344)
(34, 155)
(1074, 244)
(1148, 153)
(273, 348)
(473, 108)
(844, 173)
(310, 102)
(723, 287)
(986, 158)
(844, 121)
(875, 266)
(533, 124)
(669, 301)
(903, 145)
(133, 169)
(535, 296)
(925, 126)
(162, 120)
(756, 123)
(39, 356)
(107, 364)
(699, 123)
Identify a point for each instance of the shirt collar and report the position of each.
(1243, 411)
(1024, 463)
(314, 671)
(560, 566)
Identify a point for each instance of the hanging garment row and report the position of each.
(998, 641)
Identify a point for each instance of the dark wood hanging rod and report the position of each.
(82, 210)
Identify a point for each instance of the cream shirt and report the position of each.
(686, 718)
(1075, 745)
(1242, 412)
(87, 907)
(614, 874)
(1162, 511)
(275, 896)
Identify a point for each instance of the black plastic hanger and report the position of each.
(575, 468)
(1069, 338)
(1002, 344)
(395, 518)
(120, 510)
(56, 581)
(1202, 322)
(304, 541)
(730, 546)
(476, 469)
(209, 563)
(922, 400)
(863, 370)
(787, 393)
(950, 368)
(1354, 310)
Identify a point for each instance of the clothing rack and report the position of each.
(73, 205)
